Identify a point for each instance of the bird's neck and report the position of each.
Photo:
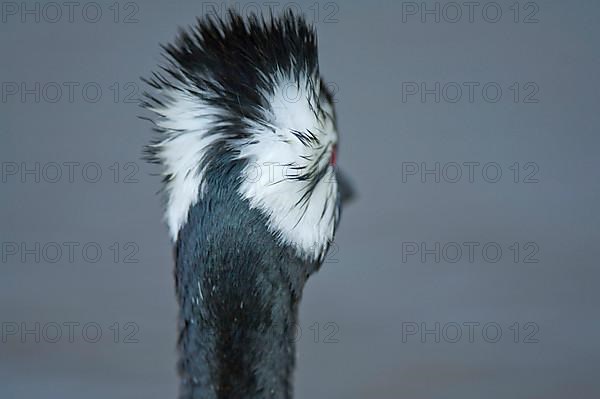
(238, 293)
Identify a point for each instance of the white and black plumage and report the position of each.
(247, 141)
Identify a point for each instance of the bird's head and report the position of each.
(249, 92)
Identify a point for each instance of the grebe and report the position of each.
(247, 142)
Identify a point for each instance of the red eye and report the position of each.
(333, 156)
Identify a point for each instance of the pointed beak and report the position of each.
(345, 187)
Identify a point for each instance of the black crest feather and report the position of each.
(232, 63)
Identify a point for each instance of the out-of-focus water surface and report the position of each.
(403, 308)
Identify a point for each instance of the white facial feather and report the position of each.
(269, 182)
(185, 120)
(275, 155)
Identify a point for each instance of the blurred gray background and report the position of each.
(397, 311)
